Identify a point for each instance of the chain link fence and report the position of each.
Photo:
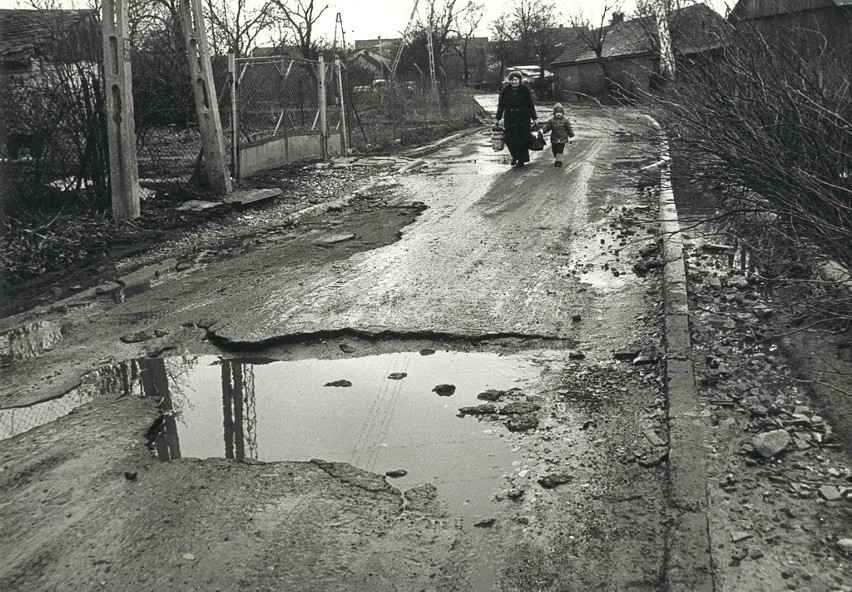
(386, 114)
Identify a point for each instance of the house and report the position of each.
(829, 21)
(629, 49)
(39, 51)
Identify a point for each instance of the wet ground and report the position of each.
(451, 379)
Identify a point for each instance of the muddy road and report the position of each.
(449, 380)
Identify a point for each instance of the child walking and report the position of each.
(561, 132)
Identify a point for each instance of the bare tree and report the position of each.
(233, 25)
(299, 17)
(465, 28)
(503, 42)
(537, 28)
(594, 38)
(659, 11)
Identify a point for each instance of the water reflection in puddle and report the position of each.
(269, 411)
(284, 411)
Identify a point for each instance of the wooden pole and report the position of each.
(235, 116)
(121, 132)
(344, 137)
(323, 122)
(206, 106)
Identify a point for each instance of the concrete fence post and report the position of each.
(235, 115)
(206, 105)
(121, 131)
(322, 108)
(344, 139)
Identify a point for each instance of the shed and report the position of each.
(629, 47)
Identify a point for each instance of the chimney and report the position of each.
(617, 17)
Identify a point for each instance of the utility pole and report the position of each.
(206, 106)
(121, 131)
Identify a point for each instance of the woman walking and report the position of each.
(517, 105)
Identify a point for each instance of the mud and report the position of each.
(471, 260)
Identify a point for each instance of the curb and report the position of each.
(689, 564)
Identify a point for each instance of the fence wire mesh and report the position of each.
(280, 95)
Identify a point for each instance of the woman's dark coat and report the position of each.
(516, 108)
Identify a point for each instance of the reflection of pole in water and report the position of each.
(155, 383)
(238, 398)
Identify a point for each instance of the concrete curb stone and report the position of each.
(689, 565)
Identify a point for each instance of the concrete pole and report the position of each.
(345, 136)
(206, 107)
(322, 110)
(235, 116)
(121, 131)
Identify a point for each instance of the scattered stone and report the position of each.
(138, 337)
(490, 395)
(576, 317)
(426, 351)
(714, 283)
(396, 473)
(486, 409)
(522, 423)
(845, 545)
(346, 348)
(648, 355)
(830, 493)
(189, 556)
(555, 480)
(485, 523)
(626, 355)
(653, 438)
(768, 444)
(576, 355)
(740, 535)
(130, 475)
(444, 390)
(654, 460)
(397, 375)
(161, 333)
(342, 382)
(515, 493)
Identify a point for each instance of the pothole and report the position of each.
(395, 414)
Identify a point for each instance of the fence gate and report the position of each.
(283, 110)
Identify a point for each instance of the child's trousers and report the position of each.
(557, 150)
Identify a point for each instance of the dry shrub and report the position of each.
(768, 125)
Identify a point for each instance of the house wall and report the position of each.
(632, 74)
(831, 24)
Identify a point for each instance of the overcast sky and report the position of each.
(368, 19)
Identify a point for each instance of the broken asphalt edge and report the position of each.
(434, 147)
(689, 563)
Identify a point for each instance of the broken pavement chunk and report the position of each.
(342, 382)
(444, 390)
(490, 395)
(397, 375)
(649, 355)
(486, 409)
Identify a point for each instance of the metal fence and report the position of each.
(277, 97)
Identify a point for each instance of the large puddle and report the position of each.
(388, 419)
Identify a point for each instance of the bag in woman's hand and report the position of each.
(497, 140)
(537, 141)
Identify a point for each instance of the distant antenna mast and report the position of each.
(431, 50)
(404, 39)
(338, 24)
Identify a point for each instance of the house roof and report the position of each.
(756, 9)
(26, 31)
(693, 29)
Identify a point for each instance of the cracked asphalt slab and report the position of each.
(460, 254)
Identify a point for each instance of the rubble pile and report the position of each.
(780, 485)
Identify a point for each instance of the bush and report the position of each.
(769, 126)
